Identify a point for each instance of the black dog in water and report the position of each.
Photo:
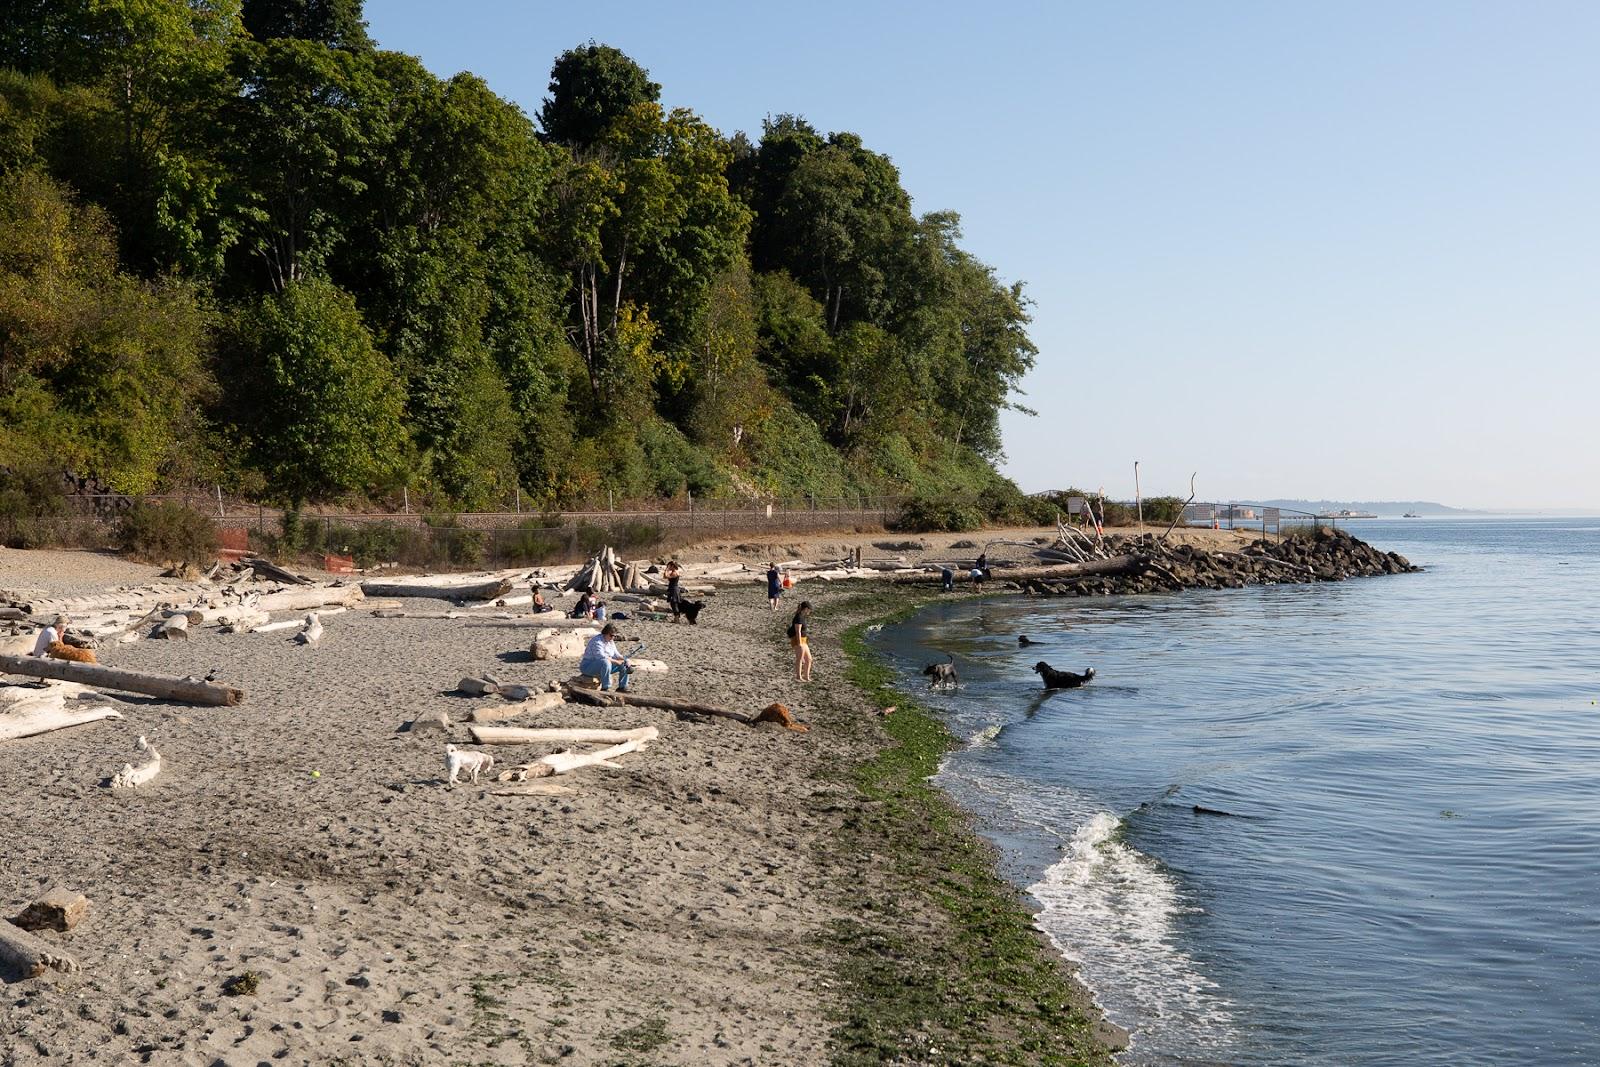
(688, 608)
(1024, 641)
(1054, 679)
(943, 674)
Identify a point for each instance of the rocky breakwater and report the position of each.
(1153, 566)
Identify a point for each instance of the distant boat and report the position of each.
(1411, 515)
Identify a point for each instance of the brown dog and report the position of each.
(62, 650)
(779, 714)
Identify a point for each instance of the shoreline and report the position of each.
(731, 895)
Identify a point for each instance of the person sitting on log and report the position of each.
(540, 604)
(584, 609)
(52, 643)
(602, 659)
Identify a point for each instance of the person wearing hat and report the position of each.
(602, 659)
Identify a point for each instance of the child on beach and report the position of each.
(774, 585)
(674, 576)
(798, 639)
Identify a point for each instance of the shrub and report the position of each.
(29, 501)
(635, 535)
(591, 539)
(931, 514)
(464, 548)
(533, 542)
(167, 533)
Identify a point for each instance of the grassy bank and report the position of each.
(941, 962)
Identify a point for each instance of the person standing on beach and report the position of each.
(798, 638)
(602, 659)
(774, 585)
(674, 576)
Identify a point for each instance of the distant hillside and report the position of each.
(1377, 507)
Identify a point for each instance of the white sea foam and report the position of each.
(985, 735)
(1113, 911)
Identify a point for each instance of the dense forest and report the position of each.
(241, 244)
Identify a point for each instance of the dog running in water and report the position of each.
(942, 675)
(457, 760)
(1054, 679)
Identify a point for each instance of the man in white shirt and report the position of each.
(602, 659)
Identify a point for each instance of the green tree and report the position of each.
(336, 23)
(319, 405)
(99, 372)
(592, 86)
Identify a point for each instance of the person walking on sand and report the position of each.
(798, 637)
(774, 585)
(602, 659)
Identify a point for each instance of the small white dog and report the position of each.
(474, 763)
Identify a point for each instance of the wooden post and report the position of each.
(1138, 500)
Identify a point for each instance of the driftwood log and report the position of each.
(497, 712)
(567, 762)
(26, 711)
(490, 590)
(683, 709)
(131, 777)
(175, 626)
(28, 956)
(519, 735)
(270, 570)
(555, 644)
(157, 685)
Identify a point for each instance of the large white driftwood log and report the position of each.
(28, 710)
(28, 956)
(567, 762)
(537, 702)
(492, 589)
(246, 620)
(308, 598)
(521, 735)
(312, 633)
(131, 777)
(100, 677)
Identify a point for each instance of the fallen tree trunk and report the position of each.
(25, 712)
(29, 956)
(496, 712)
(521, 735)
(490, 590)
(272, 571)
(567, 762)
(100, 677)
(310, 598)
(683, 709)
(1114, 565)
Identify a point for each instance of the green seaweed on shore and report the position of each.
(941, 961)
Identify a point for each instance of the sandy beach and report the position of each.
(686, 908)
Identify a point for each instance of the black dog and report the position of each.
(1054, 679)
(690, 609)
(943, 674)
(1024, 641)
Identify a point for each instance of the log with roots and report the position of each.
(683, 709)
(272, 571)
(186, 690)
(27, 710)
(131, 777)
(567, 762)
(28, 956)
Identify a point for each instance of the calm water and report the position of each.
(1413, 875)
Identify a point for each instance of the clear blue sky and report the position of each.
(1345, 250)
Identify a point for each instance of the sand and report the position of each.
(674, 911)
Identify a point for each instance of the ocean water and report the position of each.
(1409, 872)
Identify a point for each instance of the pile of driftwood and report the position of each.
(604, 573)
